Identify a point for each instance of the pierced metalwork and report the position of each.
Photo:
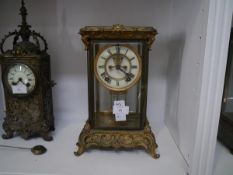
(29, 114)
(30, 40)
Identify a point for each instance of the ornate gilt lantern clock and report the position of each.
(27, 84)
(117, 88)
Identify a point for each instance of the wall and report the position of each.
(188, 31)
(59, 22)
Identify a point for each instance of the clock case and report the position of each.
(119, 135)
(30, 114)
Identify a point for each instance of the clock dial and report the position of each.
(118, 67)
(23, 76)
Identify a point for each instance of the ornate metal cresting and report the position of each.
(27, 114)
(25, 46)
(116, 136)
(118, 31)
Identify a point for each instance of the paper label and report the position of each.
(20, 88)
(120, 110)
(120, 117)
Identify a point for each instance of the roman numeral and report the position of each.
(101, 66)
(126, 51)
(118, 49)
(117, 83)
(132, 58)
(110, 53)
(103, 74)
(103, 58)
(134, 67)
(107, 79)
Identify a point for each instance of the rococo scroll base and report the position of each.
(118, 139)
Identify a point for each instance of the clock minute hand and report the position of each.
(129, 75)
(111, 67)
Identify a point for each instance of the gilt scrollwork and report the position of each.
(91, 138)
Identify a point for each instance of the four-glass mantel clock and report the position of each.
(117, 88)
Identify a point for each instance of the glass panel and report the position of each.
(227, 106)
(229, 92)
(104, 97)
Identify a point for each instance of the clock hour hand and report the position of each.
(15, 83)
(111, 67)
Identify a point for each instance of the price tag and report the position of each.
(20, 88)
(120, 110)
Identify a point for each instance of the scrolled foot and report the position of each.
(156, 156)
(153, 151)
(47, 137)
(7, 136)
(80, 151)
(26, 136)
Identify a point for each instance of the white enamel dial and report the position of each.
(118, 67)
(21, 74)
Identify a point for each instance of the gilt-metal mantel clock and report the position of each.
(117, 88)
(27, 83)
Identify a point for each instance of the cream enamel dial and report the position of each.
(117, 67)
(21, 75)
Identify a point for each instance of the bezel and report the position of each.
(115, 89)
(7, 85)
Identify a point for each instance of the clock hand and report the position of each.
(129, 75)
(111, 67)
(26, 84)
(15, 83)
(124, 67)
